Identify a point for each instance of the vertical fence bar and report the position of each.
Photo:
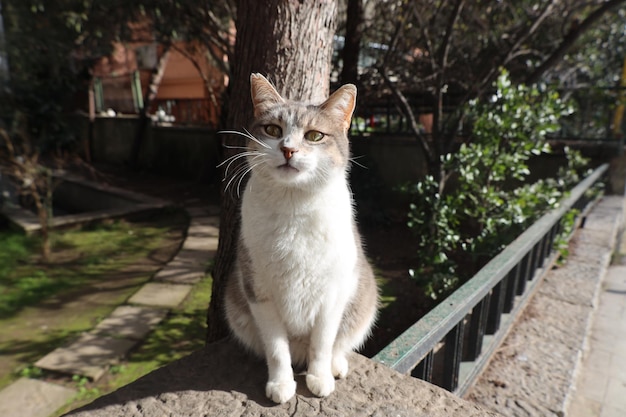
(453, 355)
(536, 259)
(549, 243)
(512, 278)
(539, 251)
(496, 306)
(525, 265)
(532, 265)
(424, 369)
(478, 325)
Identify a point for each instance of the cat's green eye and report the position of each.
(313, 136)
(273, 130)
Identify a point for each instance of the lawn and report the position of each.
(93, 270)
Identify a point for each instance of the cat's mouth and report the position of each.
(286, 167)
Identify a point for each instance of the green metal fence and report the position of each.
(453, 342)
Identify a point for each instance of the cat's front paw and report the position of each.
(280, 391)
(320, 385)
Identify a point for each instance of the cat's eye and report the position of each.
(273, 130)
(313, 136)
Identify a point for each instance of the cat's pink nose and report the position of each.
(288, 152)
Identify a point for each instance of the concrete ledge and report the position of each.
(89, 201)
(223, 380)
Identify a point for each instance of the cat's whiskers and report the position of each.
(231, 160)
(243, 175)
(354, 161)
(243, 170)
(247, 134)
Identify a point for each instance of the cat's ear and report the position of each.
(341, 103)
(264, 95)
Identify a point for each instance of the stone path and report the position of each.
(601, 386)
(94, 352)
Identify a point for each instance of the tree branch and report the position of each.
(571, 38)
(408, 112)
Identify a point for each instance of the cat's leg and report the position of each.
(339, 364)
(320, 379)
(345, 343)
(281, 386)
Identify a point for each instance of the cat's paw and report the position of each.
(320, 385)
(340, 366)
(280, 391)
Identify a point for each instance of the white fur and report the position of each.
(304, 254)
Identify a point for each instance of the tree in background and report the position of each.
(292, 42)
(41, 38)
(436, 56)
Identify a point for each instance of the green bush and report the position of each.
(482, 201)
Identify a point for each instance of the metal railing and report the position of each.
(451, 344)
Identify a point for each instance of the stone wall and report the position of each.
(223, 380)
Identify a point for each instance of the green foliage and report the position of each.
(16, 248)
(478, 207)
(31, 372)
(85, 388)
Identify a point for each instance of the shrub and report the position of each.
(482, 202)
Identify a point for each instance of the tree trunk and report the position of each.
(291, 42)
(352, 45)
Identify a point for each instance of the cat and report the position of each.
(302, 291)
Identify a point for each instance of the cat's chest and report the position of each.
(299, 240)
(297, 233)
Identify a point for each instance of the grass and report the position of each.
(93, 270)
(85, 255)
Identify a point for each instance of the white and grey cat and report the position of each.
(302, 291)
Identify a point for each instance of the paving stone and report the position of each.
(204, 226)
(205, 244)
(187, 267)
(192, 258)
(181, 275)
(161, 294)
(33, 398)
(88, 356)
(131, 322)
(615, 281)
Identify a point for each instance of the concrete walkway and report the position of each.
(534, 371)
(601, 384)
(94, 352)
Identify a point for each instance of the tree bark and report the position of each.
(291, 42)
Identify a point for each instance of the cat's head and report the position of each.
(299, 144)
